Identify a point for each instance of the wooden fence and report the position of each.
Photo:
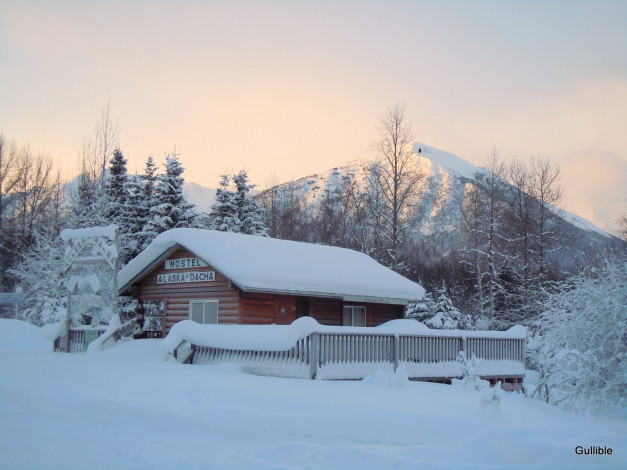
(357, 355)
(79, 338)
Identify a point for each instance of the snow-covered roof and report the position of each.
(258, 264)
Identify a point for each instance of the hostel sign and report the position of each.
(179, 278)
(182, 263)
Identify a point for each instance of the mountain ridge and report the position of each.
(442, 166)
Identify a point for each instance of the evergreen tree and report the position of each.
(87, 206)
(116, 189)
(224, 212)
(171, 210)
(40, 275)
(118, 208)
(423, 310)
(143, 206)
(249, 213)
(135, 220)
(440, 314)
(509, 300)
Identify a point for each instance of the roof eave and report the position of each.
(326, 295)
(140, 275)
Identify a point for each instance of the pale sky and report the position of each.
(293, 87)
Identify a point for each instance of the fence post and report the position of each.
(464, 346)
(314, 354)
(396, 346)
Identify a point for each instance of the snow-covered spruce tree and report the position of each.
(439, 314)
(147, 183)
(249, 213)
(87, 203)
(116, 189)
(582, 340)
(40, 275)
(135, 220)
(224, 212)
(423, 310)
(171, 209)
(119, 209)
(510, 298)
(447, 316)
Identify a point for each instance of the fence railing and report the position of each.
(78, 340)
(353, 355)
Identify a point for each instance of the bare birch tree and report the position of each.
(484, 220)
(392, 180)
(547, 191)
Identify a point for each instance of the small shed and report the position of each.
(228, 278)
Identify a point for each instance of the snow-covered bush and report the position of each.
(440, 314)
(580, 349)
(40, 275)
(470, 378)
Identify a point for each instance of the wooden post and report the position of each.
(395, 345)
(314, 354)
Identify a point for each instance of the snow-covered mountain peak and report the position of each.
(449, 162)
(201, 196)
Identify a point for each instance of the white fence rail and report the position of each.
(339, 355)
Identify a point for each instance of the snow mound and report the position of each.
(52, 331)
(241, 337)
(405, 325)
(71, 234)
(19, 336)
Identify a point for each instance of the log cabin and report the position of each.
(227, 278)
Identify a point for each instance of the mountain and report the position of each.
(201, 196)
(437, 212)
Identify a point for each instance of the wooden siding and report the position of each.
(177, 296)
(247, 308)
(327, 311)
(380, 313)
(331, 311)
(265, 309)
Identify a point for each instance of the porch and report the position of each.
(345, 353)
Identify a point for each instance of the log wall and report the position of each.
(176, 297)
(235, 306)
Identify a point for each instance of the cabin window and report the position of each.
(354, 316)
(203, 311)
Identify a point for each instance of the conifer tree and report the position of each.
(249, 213)
(148, 183)
(423, 310)
(116, 188)
(438, 314)
(171, 210)
(224, 212)
(40, 275)
(135, 220)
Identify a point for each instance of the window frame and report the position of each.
(204, 302)
(352, 309)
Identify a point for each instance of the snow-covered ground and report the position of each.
(126, 408)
